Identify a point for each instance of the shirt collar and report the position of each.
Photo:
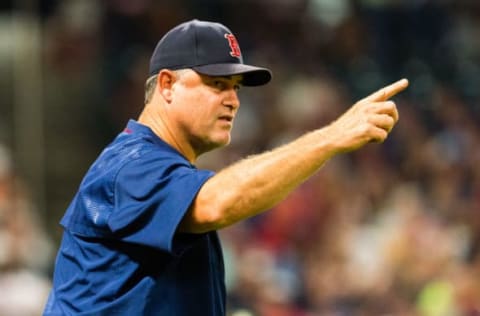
(133, 127)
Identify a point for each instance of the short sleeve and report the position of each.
(151, 196)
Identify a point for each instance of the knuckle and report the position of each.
(391, 103)
(368, 129)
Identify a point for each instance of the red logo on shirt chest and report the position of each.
(235, 48)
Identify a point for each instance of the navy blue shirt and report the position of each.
(121, 253)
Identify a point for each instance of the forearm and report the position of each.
(257, 183)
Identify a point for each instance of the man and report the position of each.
(140, 235)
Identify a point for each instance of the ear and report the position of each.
(165, 80)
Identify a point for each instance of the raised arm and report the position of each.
(257, 183)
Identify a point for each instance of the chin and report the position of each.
(221, 140)
(211, 144)
(220, 143)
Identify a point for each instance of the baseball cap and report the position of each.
(209, 48)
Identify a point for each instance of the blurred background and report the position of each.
(392, 229)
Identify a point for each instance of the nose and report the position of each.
(231, 99)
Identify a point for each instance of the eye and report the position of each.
(236, 87)
(220, 85)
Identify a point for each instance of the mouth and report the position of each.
(227, 118)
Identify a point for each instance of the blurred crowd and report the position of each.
(25, 248)
(392, 229)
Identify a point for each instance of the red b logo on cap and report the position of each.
(235, 48)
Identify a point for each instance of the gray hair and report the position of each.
(150, 88)
(151, 83)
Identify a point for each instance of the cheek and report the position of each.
(202, 110)
(198, 109)
(195, 116)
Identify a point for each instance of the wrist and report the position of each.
(329, 140)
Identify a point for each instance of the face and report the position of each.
(204, 108)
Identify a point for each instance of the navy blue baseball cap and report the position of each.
(209, 48)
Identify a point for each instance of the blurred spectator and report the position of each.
(25, 250)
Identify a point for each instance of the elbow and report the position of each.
(202, 219)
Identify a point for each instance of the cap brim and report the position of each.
(252, 75)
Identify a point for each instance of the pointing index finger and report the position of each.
(387, 92)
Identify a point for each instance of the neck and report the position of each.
(159, 123)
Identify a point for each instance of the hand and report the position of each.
(369, 120)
